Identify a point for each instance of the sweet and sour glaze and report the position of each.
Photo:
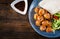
(43, 19)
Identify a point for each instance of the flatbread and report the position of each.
(53, 6)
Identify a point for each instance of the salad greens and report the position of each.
(56, 23)
(57, 14)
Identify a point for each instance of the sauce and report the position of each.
(20, 5)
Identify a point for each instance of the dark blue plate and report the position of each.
(32, 22)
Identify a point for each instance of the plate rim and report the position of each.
(30, 9)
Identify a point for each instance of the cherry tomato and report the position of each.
(55, 17)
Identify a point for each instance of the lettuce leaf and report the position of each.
(56, 24)
(57, 14)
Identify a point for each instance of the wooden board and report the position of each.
(14, 25)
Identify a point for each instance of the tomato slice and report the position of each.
(56, 17)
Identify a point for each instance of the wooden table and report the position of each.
(14, 25)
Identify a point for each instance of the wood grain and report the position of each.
(14, 25)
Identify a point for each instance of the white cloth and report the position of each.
(53, 6)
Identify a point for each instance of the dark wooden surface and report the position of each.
(14, 25)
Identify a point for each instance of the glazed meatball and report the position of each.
(40, 18)
(35, 16)
(41, 12)
(42, 28)
(49, 29)
(47, 16)
(43, 19)
(36, 9)
(45, 22)
(37, 23)
(49, 24)
(51, 16)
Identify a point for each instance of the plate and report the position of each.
(32, 22)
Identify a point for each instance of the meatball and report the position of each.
(47, 16)
(35, 16)
(49, 24)
(42, 28)
(41, 12)
(51, 16)
(45, 22)
(36, 9)
(49, 29)
(40, 18)
(37, 23)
